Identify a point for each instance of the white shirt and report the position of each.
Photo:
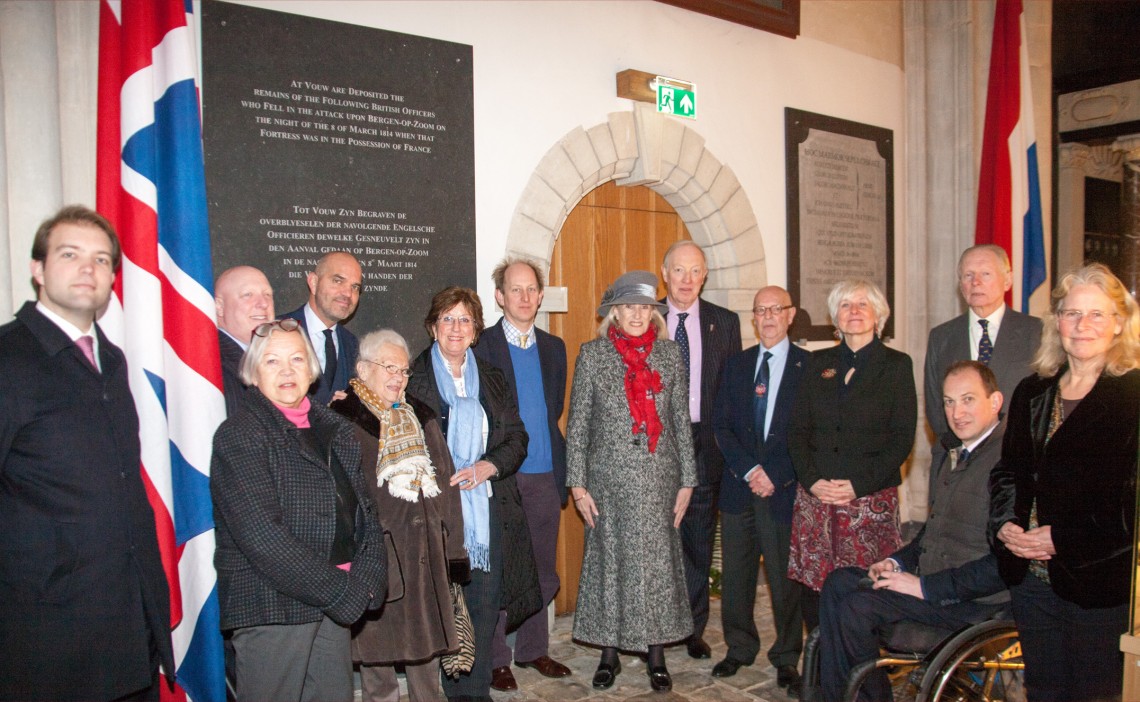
(976, 329)
(244, 346)
(776, 365)
(316, 330)
(73, 332)
(693, 327)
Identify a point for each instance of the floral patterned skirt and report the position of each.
(826, 537)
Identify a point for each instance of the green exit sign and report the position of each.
(676, 97)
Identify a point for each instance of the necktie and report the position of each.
(985, 346)
(523, 340)
(958, 457)
(681, 336)
(760, 398)
(87, 344)
(330, 358)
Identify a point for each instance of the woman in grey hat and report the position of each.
(631, 471)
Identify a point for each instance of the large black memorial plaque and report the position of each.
(322, 136)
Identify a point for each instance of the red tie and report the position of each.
(88, 345)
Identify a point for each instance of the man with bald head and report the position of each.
(334, 291)
(753, 408)
(243, 299)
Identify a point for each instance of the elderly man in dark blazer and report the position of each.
(707, 334)
(243, 298)
(334, 292)
(84, 605)
(983, 279)
(753, 410)
(529, 358)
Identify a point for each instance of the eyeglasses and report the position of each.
(391, 370)
(762, 311)
(1096, 318)
(266, 328)
(461, 321)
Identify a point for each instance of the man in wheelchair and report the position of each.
(947, 576)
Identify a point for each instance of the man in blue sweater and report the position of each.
(531, 360)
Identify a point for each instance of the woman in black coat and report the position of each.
(1063, 496)
(487, 441)
(851, 430)
(299, 556)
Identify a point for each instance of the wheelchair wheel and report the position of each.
(981, 664)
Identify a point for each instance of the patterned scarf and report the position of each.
(642, 383)
(466, 443)
(402, 458)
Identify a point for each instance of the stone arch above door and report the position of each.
(645, 148)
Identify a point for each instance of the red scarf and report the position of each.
(642, 383)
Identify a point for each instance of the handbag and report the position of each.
(463, 659)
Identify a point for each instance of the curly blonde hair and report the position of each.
(1124, 353)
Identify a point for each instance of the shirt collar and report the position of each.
(994, 319)
(514, 334)
(73, 332)
(313, 322)
(780, 350)
(244, 346)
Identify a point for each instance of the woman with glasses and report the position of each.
(1063, 496)
(408, 470)
(299, 553)
(631, 472)
(479, 417)
(852, 428)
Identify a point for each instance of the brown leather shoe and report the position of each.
(503, 680)
(546, 666)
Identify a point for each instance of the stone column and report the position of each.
(1129, 147)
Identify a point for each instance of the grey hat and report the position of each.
(632, 288)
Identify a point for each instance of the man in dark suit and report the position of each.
(758, 488)
(530, 358)
(334, 291)
(707, 334)
(243, 299)
(84, 605)
(983, 278)
(947, 576)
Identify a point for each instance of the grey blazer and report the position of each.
(949, 342)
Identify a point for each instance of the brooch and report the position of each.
(828, 374)
(761, 390)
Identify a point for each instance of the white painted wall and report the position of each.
(543, 68)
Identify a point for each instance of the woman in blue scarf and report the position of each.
(480, 418)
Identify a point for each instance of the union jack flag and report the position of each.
(151, 186)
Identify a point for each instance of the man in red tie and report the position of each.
(84, 605)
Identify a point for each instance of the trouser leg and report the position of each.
(740, 556)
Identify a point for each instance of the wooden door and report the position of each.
(612, 230)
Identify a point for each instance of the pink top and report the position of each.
(299, 416)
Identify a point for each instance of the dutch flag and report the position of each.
(1009, 192)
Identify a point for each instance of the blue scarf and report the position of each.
(465, 441)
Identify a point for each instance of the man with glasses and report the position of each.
(334, 292)
(531, 358)
(758, 488)
(989, 332)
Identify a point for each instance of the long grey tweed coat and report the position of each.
(632, 592)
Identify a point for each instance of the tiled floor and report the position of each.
(692, 679)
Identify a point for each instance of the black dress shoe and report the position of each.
(605, 675)
(795, 689)
(698, 648)
(659, 679)
(727, 668)
(786, 675)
